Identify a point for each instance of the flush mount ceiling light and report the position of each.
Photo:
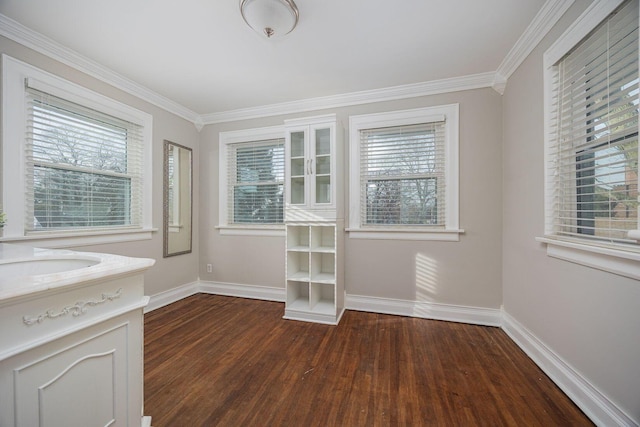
(271, 18)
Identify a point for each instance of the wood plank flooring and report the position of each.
(224, 361)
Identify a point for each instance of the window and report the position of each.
(252, 181)
(592, 135)
(83, 169)
(403, 174)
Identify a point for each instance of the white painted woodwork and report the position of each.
(72, 355)
(315, 272)
(313, 193)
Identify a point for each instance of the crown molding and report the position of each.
(542, 23)
(44, 45)
(475, 81)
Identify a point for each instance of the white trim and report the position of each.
(267, 230)
(46, 46)
(449, 113)
(590, 18)
(266, 293)
(545, 19)
(236, 137)
(425, 310)
(475, 81)
(406, 234)
(612, 260)
(172, 295)
(89, 238)
(14, 125)
(600, 409)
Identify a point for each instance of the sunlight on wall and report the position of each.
(426, 278)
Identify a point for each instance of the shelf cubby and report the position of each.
(298, 295)
(323, 267)
(323, 238)
(322, 298)
(298, 266)
(297, 238)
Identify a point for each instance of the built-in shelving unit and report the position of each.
(314, 220)
(315, 289)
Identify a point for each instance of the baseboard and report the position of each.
(594, 404)
(425, 310)
(244, 291)
(172, 295)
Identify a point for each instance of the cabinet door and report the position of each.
(322, 147)
(298, 165)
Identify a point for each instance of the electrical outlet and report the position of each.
(209, 268)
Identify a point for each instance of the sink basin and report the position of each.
(36, 266)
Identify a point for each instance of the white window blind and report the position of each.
(593, 144)
(83, 167)
(402, 175)
(256, 182)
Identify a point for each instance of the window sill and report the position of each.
(617, 261)
(61, 240)
(252, 230)
(405, 234)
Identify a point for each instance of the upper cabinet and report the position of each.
(313, 166)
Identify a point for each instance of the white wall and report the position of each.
(589, 318)
(466, 273)
(170, 272)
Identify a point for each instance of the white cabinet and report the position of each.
(314, 220)
(312, 169)
(71, 354)
(314, 270)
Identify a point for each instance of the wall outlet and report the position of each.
(209, 268)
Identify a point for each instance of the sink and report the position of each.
(36, 266)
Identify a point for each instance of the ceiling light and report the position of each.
(271, 18)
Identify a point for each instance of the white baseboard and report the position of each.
(172, 295)
(243, 291)
(425, 310)
(595, 405)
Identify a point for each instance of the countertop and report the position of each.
(106, 265)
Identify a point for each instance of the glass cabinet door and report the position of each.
(322, 165)
(298, 167)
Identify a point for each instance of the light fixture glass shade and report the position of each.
(271, 18)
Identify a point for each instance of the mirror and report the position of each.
(177, 199)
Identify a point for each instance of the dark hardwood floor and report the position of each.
(223, 361)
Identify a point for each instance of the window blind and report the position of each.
(593, 144)
(256, 182)
(402, 175)
(83, 167)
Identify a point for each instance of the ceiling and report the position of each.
(201, 55)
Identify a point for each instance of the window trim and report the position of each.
(14, 122)
(236, 137)
(451, 231)
(616, 259)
